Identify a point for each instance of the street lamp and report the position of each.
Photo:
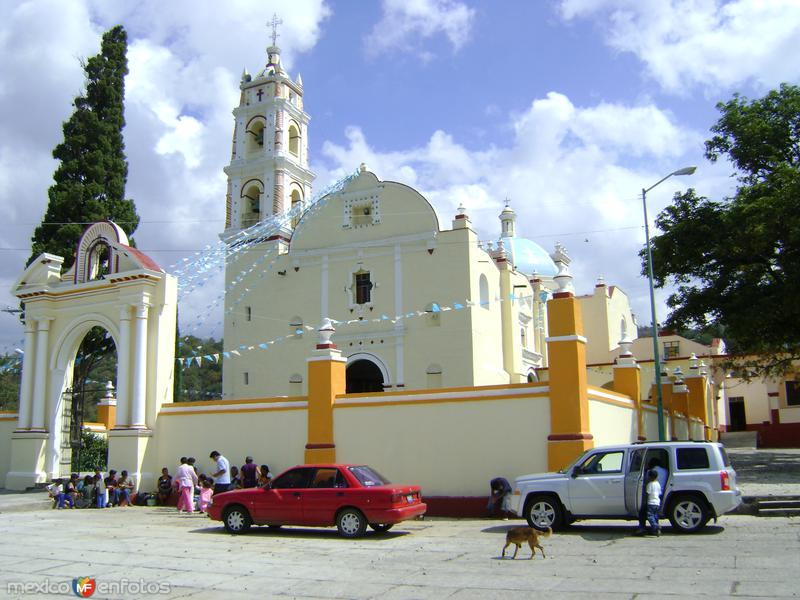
(659, 396)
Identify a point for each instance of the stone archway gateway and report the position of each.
(122, 290)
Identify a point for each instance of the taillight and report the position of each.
(724, 481)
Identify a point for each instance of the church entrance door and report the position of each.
(363, 376)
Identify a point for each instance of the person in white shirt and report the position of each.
(653, 490)
(222, 478)
(186, 479)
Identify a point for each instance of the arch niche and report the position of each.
(126, 294)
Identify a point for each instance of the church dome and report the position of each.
(529, 257)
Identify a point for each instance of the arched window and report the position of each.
(483, 290)
(294, 139)
(99, 261)
(251, 203)
(296, 198)
(255, 135)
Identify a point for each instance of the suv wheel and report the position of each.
(237, 520)
(543, 512)
(688, 514)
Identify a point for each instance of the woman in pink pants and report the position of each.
(186, 479)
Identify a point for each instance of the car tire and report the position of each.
(688, 513)
(543, 511)
(236, 519)
(381, 527)
(351, 523)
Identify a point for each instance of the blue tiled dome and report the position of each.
(529, 257)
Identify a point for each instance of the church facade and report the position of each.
(419, 302)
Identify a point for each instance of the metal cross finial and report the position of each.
(275, 22)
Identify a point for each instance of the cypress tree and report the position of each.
(89, 182)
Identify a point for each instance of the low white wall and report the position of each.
(272, 436)
(451, 447)
(681, 429)
(651, 423)
(612, 418)
(790, 415)
(8, 423)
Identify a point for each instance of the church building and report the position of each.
(417, 300)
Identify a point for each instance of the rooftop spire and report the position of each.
(275, 22)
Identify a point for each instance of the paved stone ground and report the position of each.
(767, 472)
(741, 556)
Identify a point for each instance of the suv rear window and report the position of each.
(692, 458)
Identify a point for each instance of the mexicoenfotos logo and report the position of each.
(84, 587)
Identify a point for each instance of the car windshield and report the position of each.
(574, 462)
(368, 476)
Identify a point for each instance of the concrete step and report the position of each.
(783, 506)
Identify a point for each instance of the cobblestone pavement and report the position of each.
(740, 556)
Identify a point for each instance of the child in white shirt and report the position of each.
(653, 491)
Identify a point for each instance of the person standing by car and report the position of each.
(249, 473)
(222, 477)
(653, 502)
(500, 489)
(663, 475)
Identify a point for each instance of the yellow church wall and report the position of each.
(8, 423)
(604, 312)
(451, 442)
(612, 418)
(271, 434)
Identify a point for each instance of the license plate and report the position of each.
(410, 498)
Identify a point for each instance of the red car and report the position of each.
(348, 496)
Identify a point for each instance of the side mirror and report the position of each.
(575, 472)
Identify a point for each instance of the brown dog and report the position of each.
(525, 534)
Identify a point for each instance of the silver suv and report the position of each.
(606, 483)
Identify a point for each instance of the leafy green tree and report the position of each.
(735, 262)
(10, 373)
(202, 382)
(92, 172)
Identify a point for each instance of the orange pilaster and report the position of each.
(696, 385)
(570, 434)
(680, 404)
(326, 379)
(628, 381)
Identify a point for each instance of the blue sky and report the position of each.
(567, 107)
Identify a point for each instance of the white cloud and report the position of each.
(405, 23)
(707, 43)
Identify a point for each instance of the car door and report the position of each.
(633, 481)
(326, 493)
(282, 503)
(596, 485)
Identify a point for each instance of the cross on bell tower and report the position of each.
(268, 172)
(274, 23)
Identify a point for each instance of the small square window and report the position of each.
(363, 287)
(672, 349)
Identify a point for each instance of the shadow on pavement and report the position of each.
(301, 533)
(606, 532)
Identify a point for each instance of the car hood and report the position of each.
(551, 476)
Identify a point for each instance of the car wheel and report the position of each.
(542, 512)
(687, 514)
(236, 520)
(381, 527)
(351, 523)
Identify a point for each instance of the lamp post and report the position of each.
(656, 358)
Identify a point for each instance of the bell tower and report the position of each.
(268, 172)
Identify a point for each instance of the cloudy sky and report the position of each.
(569, 108)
